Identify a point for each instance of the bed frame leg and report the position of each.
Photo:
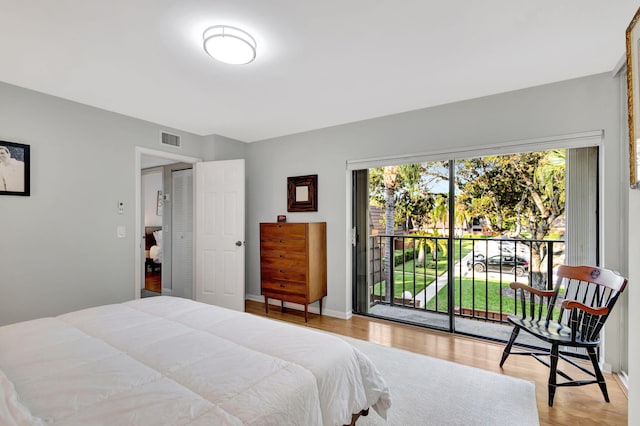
(355, 417)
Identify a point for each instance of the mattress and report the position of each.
(155, 253)
(171, 361)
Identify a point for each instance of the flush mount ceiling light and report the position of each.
(230, 45)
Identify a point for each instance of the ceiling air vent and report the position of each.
(171, 140)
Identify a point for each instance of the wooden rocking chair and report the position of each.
(586, 295)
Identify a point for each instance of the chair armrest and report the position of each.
(541, 293)
(574, 304)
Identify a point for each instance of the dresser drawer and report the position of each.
(283, 259)
(285, 297)
(276, 231)
(287, 274)
(284, 288)
(284, 245)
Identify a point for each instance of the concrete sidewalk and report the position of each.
(429, 292)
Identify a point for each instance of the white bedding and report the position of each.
(155, 253)
(172, 361)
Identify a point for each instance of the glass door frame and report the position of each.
(568, 141)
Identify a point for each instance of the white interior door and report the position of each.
(219, 239)
(182, 233)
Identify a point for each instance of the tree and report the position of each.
(412, 195)
(522, 195)
(461, 218)
(435, 243)
(488, 190)
(403, 191)
(439, 214)
(390, 180)
(546, 203)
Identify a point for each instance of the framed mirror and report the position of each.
(302, 193)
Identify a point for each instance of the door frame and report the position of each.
(138, 153)
(566, 141)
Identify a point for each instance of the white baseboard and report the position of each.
(623, 379)
(254, 298)
(314, 308)
(166, 291)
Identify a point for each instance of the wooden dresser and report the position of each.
(293, 263)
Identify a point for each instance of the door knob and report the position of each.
(238, 243)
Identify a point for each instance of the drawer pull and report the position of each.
(281, 285)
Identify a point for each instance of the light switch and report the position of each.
(121, 231)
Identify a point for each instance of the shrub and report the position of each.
(399, 259)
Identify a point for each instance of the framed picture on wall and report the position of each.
(633, 97)
(15, 166)
(159, 204)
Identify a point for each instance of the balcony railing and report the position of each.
(482, 271)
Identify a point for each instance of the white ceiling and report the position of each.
(319, 63)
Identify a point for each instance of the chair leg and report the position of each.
(507, 349)
(598, 373)
(553, 364)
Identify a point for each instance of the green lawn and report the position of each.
(474, 295)
(423, 274)
(405, 282)
(430, 265)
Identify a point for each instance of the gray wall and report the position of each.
(573, 106)
(59, 251)
(58, 247)
(216, 147)
(633, 293)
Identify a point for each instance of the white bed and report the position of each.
(153, 246)
(172, 361)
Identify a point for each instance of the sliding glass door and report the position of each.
(401, 243)
(437, 243)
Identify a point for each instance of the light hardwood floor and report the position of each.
(153, 281)
(572, 406)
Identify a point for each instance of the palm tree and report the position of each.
(460, 218)
(435, 243)
(440, 212)
(438, 215)
(389, 178)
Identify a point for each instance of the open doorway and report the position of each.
(164, 186)
(153, 194)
